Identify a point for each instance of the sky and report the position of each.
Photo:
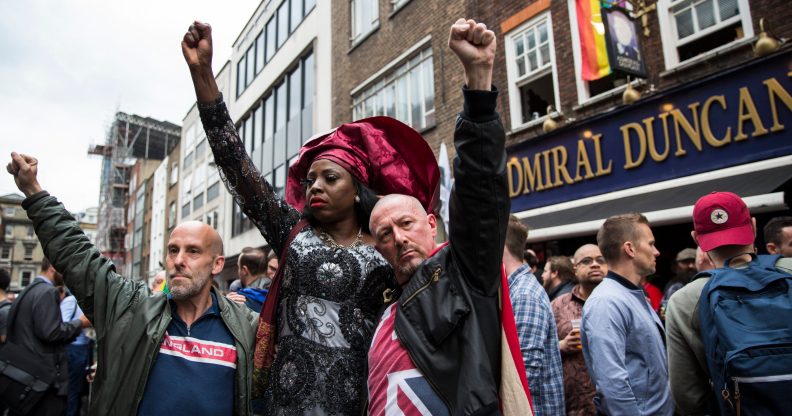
(66, 67)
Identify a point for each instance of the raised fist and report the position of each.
(197, 45)
(474, 45)
(24, 168)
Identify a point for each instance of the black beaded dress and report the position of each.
(329, 297)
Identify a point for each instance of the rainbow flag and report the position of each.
(592, 40)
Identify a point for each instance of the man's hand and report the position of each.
(197, 50)
(474, 45)
(85, 322)
(571, 343)
(24, 168)
(236, 297)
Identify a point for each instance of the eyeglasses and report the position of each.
(587, 261)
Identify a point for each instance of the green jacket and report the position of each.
(130, 322)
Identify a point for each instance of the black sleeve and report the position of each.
(272, 216)
(47, 321)
(479, 205)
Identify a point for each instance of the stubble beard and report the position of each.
(194, 287)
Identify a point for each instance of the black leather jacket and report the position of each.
(448, 317)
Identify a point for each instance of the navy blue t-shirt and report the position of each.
(194, 372)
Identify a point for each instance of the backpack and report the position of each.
(746, 329)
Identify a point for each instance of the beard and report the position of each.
(189, 289)
(409, 268)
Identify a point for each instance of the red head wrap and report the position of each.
(382, 153)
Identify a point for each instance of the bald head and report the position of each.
(204, 232)
(388, 202)
(195, 254)
(583, 250)
(404, 233)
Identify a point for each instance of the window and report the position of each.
(241, 80)
(28, 252)
(271, 29)
(589, 89)
(213, 191)
(172, 215)
(5, 253)
(283, 23)
(9, 211)
(185, 210)
(309, 5)
(406, 93)
(250, 59)
(239, 222)
(398, 4)
(198, 201)
(531, 71)
(25, 276)
(188, 160)
(690, 28)
(30, 232)
(200, 148)
(365, 18)
(9, 231)
(174, 175)
(260, 51)
(212, 218)
(296, 14)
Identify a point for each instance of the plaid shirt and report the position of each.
(538, 341)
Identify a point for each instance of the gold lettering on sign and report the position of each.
(774, 89)
(692, 131)
(748, 112)
(601, 171)
(706, 128)
(560, 160)
(656, 156)
(512, 166)
(533, 177)
(630, 161)
(582, 162)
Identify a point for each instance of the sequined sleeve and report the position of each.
(270, 214)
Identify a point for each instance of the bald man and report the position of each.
(187, 353)
(441, 333)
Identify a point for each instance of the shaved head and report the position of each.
(404, 233)
(584, 249)
(195, 254)
(205, 232)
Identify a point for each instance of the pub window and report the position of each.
(531, 71)
(588, 51)
(690, 28)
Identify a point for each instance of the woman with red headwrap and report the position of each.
(324, 301)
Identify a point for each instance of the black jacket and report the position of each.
(34, 323)
(448, 317)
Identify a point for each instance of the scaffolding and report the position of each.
(129, 137)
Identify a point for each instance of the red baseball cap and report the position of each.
(720, 219)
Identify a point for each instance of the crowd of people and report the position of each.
(358, 309)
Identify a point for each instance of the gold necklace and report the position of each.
(330, 241)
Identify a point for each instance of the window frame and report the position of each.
(668, 31)
(396, 74)
(357, 36)
(583, 92)
(515, 82)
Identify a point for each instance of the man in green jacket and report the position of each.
(187, 353)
